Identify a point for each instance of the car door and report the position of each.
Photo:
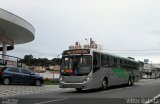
(14, 74)
(26, 75)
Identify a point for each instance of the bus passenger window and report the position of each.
(96, 62)
(75, 66)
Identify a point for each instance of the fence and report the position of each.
(7, 60)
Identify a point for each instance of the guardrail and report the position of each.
(7, 60)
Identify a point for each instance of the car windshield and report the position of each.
(76, 65)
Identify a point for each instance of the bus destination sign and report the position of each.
(78, 51)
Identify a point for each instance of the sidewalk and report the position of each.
(144, 80)
(11, 90)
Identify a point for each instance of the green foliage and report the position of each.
(50, 82)
(55, 61)
(27, 59)
(44, 62)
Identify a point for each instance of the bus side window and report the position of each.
(96, 61)
(110, 61)
(120, 63)
(103, 60)
(115, 62)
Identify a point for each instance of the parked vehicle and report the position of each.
(9, 75)
(146, 76)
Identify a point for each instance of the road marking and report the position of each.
(50, 101)
(152, 100)
(114, 90)
(106, 91)
(143, 84)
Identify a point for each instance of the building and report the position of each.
(38, 69)
(152, 69)
(13, 30)
(92, 45)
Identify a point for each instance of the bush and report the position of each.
(50, 82)
(47, 79)
(56, 80)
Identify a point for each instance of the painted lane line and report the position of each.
(112, 90)
(118, 89)
(50, 101)
(152, 100)
(106, 91)
(129, 87)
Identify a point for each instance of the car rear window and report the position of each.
(13, 69)
(25, 71)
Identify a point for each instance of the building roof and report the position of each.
(15, 28)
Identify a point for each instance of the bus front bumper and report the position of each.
(83, 85)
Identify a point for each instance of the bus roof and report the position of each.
(87, 51)
(113, 55)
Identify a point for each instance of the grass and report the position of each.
(50, 82)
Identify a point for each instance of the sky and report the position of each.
(123, 27)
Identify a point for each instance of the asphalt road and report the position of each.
(141, 93)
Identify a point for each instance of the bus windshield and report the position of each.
(76, 65)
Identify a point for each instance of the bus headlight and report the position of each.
(61, 79)
(87, 79)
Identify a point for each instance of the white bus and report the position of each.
(90, 69)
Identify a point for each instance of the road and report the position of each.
(141, 93)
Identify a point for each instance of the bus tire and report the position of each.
(129, 81)
(79, 89)
(104, 84)
(132, 81)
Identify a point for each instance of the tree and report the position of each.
(28, 59)
(44, 62)
(55, 61)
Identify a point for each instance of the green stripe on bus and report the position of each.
(121, 73)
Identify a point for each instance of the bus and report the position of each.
(91, 69)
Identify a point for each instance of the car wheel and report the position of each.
(6, 81)
(38, 83)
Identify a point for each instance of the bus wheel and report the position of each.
(104, 84)
(129, 81)
(132, 81)
(79, 89)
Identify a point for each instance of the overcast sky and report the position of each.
(123, 27)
